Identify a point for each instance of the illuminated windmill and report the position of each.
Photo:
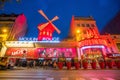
(46, 29)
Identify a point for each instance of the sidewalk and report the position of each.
(64, 68)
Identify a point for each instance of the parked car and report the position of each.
(4, 62)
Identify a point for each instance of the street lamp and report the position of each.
(4, 34)
(77, 35)
(77, 31)
(4, 30)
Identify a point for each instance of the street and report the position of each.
(40, 74)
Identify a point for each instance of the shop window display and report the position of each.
(56, 52)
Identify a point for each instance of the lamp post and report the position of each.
(4, 34)
(4, 30)
(77, 35)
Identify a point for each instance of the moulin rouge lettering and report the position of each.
(36, 39)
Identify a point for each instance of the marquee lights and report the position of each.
(96, 46)
(29, 42)
(19, 44)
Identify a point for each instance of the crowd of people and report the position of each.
(45, 64)
(48, 64)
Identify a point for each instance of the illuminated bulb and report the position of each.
(4, 30)
(78, 31)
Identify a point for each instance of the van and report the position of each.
(4, 62)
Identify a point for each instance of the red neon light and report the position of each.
(46, 32)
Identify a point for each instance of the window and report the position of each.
(108, 41)
(92, 25)
(115, 37)
(0, 46)
(118, 45)
(87, 25)
(84, 32)
(111, 49)
(78, 25)
(83, 25)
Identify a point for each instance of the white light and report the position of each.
(19, 44)
(48, 41)
(100, 46)
(36, 39)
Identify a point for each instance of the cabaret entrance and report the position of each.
(67, 49)
(92, 52)
(38, 50)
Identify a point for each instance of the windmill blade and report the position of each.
(49, 21)
(43, 14)
(58, 31)
(55, 18)
(43, 26)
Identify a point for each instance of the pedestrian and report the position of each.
(51, 64)
(44, 63)
(28, 64)
(34, 64)
(54, 64)
(11, 63)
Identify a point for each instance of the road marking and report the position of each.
(109, 78)
(94, 79)
(80, 79)
(64, 79)
(23, 77)
(49, 78)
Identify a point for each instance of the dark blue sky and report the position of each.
(102, 11)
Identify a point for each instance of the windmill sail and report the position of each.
(49, 21)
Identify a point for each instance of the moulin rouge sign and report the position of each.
(36, 39)
(17, 52)
(20, 52)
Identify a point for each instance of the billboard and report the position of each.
(21, 52)
(56, 52)
(41, 52)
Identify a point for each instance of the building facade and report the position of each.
(84, 42)
(116, 40)
(6, 24)
(12, 26)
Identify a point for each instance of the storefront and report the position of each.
(113, 55)
(37, 50)
(90, 48)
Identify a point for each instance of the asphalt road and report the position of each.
(40, 74)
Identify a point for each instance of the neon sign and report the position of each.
(19, 52)
(36, 39)
(27, 39)
(97, 46)
(93, 46)
(53, 40)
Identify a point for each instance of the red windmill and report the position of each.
(46, 29)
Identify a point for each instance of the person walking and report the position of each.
(34, 64)
(28, 64)
(44, 64)
(54, 64)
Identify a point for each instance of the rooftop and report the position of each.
(8, 17)
(83, 18)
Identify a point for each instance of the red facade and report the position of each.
(46, 33)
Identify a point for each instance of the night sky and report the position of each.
(102, 11)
